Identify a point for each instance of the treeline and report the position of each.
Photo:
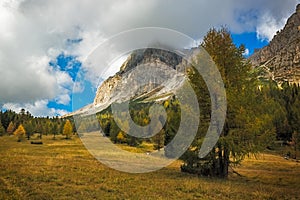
(10, 121)
(288, 111)
(139, 112)
(281, 104)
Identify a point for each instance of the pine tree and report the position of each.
(2, 130)
(296, 142)
(54, 129)
(159, 140)
(29, 129)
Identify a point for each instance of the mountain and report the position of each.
(147, 74)
(281, 58)
(154, 74)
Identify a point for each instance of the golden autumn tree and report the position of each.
(121, 137)
(68, 129)
(20, 132)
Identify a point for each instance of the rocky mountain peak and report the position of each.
(281, 58)
(150, 55)
(130, 81)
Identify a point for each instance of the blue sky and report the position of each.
(43, 43)
(250, 41)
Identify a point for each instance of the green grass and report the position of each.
(64, 169)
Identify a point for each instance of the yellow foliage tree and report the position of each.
(145, 121)
(68, 129)
(120, 137)
(166, 104)
(20, 132)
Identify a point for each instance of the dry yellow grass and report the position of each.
(64, 169)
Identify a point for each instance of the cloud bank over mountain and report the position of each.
(33, 33)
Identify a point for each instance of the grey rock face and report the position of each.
(149, 72)
(282, 56)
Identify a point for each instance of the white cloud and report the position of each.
(38, 108)
(268, 27)
(33, 32)
(247, 52)
(65, 86)
(63, 99)
(78, 87)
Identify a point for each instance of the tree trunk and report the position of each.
(295, 148)
(225, 163)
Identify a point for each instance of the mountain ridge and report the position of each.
(146, 74)
(281, 58)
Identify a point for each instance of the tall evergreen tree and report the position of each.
(29, 128)
(2, 130)
(247, 124)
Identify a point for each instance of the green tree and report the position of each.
(246, 126)
(2, 130)
(68, 129)
(20, 132)
(54, 129)
(29, 128)
(159, 139)
(295, 119)
(296, 142)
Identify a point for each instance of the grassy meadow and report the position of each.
(64, 169)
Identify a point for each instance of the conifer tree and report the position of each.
(68, 129)
(10, 128)
(20, 132)
(2, 130)
(247, 123)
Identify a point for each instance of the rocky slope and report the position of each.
(281, 58)
(149, 74)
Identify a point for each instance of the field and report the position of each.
(64, 169)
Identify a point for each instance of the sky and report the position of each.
(43, 44)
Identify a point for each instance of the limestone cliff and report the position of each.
(281, 58)
(162, 72)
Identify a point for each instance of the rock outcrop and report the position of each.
(148, 73)
(281, 58)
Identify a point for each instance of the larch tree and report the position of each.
(11, 127)
(68, 129)
(20, 132)
(248, 122)
(120, 137)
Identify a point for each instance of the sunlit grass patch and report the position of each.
(64, 169)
